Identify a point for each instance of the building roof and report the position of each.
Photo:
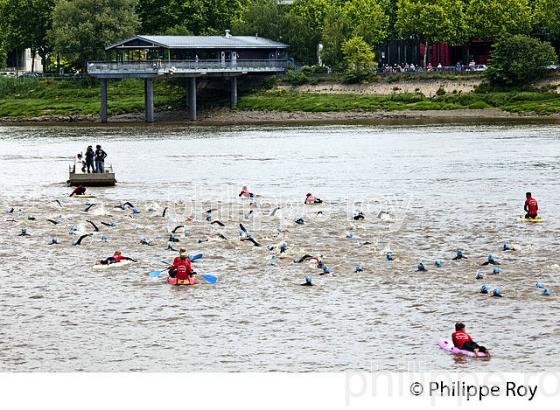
(196, 42)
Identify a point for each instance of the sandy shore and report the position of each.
(229, 117)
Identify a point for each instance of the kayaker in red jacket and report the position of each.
(462, 340)
(531, 206)
(181, 269)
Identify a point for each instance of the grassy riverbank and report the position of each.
(514, 101)
(27, 98)
(30, 97)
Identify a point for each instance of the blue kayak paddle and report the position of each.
(155, 273)
(209, 278)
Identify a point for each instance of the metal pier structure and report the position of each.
(190, 57)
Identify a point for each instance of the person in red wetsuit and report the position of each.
(181, 269)
(531, 206)
(116, 258)
(462, 340)
(79, 190)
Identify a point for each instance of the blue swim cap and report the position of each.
(241, 232)
(151, 210)
(273, 260)
(269, 247)
(505, 247)
(135, 211)
(326, 269)
(546, 292)
(104, 238)
(421, 266)
(479, 276)
(459, 252)
(539, 284)
(308, 279)
(349, 234)
(23, 231)
(389, 256)
(358, 268)
(438, 263)
(490, 258)
(496, 270)
(283, 246)
(496, 292)
(484, 289)
(30, 216)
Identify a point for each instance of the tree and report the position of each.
(358, 56)
(367, 20)
(547, 17)
(518, 60)
(262, 17)
(432, 21)
(304, 26)
(81, 29)
(490, 19)
(198, 17)
(335, 33)
(26, 24)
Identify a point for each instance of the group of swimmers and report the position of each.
(181, 269)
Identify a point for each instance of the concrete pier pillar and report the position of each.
(103, 100)
(233, 92)
(149, 99)
(192, 98)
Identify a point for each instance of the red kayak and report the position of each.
(182, 282)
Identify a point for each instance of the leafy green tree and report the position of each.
(3, 47)
(262, 17)
(335, 33)
(367, 19)
(490, 19)
(198, 17)
(547, 17)
(304, 27)
(432, 21)
(518, 60)
(26, 24)
(358, 56)
(81, 29)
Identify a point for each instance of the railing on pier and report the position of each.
(163, 67)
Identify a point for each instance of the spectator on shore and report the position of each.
(471, 65)
(439, 67)
(412, 67)
(429, 67)
(459, 66)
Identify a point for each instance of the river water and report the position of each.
(425, 192)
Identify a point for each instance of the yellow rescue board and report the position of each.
(533, 220)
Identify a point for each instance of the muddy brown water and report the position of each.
(425, 191)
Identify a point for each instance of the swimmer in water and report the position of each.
(359, 216)
(125, 206)
(79, 190)
(531, 206)
(245, 193)
(421, 268)
(459, 255)
(23, 232)
(312, 200)
(462, 340)
(81, 238)
(490, 261)
(116, 258)
(95, 228)
(308, 281)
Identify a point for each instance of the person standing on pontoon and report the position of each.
(100, 156)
